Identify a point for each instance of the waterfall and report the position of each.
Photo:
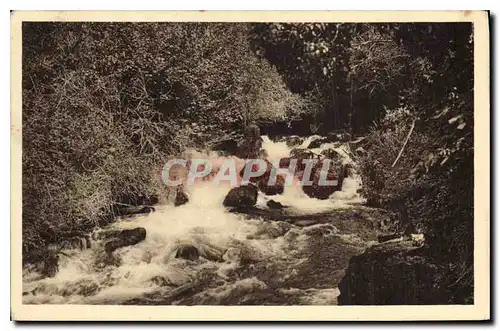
(149, 272)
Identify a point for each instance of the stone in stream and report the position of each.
(206, 250)
(241, 196)
(187, 252)
(263, 181)
(124, 238)
(323, 192)
(181, 197)
(264, 185)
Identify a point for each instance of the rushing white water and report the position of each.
(88, 277)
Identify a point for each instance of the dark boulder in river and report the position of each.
(323, 192)
(187, 252)
(181, 197)
(125, 238)
(274, 204)
(263, 181)
(241, 196)
(268, 188)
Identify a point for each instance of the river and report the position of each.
(264, 262)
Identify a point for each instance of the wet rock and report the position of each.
(241, 196)
(265, 186)
(323, 192)
(280, 228)
(124, 238)
(181, 197)
(104, 259)
(293, 140)
(187, 252)
(232, 254)
(263, 181)
(274, 204)
(212, 252)
(392, 274)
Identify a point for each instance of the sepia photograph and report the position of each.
(250, 160)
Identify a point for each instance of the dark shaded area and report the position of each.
(398, 274)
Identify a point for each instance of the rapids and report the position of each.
(264, 262)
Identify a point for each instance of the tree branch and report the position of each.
(404, 145)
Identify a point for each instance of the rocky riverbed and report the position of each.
(279, 248)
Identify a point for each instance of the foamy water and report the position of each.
(149, 267)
